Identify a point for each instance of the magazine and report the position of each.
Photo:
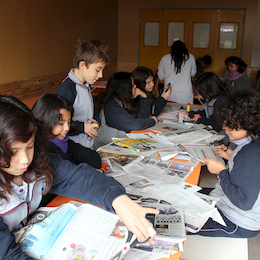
(73, 231)
(139, 145)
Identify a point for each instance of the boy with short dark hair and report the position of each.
(90, 59)
(238, 188)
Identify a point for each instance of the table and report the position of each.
(192, 179)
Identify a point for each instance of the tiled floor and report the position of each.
(208, 180)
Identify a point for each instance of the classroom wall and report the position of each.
(38, 40)
(128, 24)
(38, 37)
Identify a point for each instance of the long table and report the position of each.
(192, 179)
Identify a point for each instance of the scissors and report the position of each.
(128, 245)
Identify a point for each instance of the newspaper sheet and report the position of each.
(189, 136)
(142, 145)
(192, 205)
(69, 233)
(158, 171)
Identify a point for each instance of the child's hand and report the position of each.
(90, 128)
(155, 119)
(139, 92)
(214, 166)
(196, 117)
(185, 113)
(223, 151)
(167, 93)
(133, 216)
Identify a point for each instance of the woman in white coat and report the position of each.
(178, 68)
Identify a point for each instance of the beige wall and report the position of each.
(38, 37)
(128, 24)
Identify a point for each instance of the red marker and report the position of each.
(103, 167)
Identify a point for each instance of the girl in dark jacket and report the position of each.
(144, 80)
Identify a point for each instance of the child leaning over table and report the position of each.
(239, 183)
(27, 173)
(90, 59)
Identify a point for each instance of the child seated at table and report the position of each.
(119, 115)
(238, 187)
(212, 90)
(144, 80)
(26, 173)
(56, 112)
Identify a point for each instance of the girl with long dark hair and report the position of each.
(178, 68)
(119, 115)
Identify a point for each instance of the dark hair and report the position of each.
(179, 54)
(90, 52)
(227, 59)
(210, 86)
(258, 75)
(207, 59)
(238, 62)
(140, 75)
(19, 125)
(120, 84)
(241, 110)
(47, 110)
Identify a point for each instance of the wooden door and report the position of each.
(220, 54)
(151, 53)
(211, 44)
(202, 41)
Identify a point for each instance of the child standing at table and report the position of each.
(56, 112)
(239, 184)
(26, 173)
(144, 80)
(237, 79)
(90, 59)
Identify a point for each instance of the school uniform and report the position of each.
(208, 115)
(74, 152)
(78, 181)
(116, 121)
(156, 107)
(85, 109)
(238, 81)
(238, 189)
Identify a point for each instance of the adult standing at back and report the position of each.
(177, 68)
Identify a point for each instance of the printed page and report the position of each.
(165, 171)
(92, 233)
(142, 145)
(202, 152)
(37, 239)
(177, 195)
(189, 137)
(113, 148)
(168, 115)
(169, 223)
(149, 135)
(137, 254)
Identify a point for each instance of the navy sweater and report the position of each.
(78, 181)
(117, 117)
